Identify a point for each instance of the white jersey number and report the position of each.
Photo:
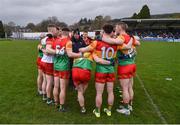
(60, 51)
(105, 52)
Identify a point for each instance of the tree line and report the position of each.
(83, 24)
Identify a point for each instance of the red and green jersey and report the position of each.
(84, 62)
(61, 62)
(105, 51)
(122, 57)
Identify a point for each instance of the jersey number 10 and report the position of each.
(106, 51)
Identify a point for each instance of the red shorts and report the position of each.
(62, 74)
(126, 72)
(39, 63)
(47, 68)
(81, 76)
(105, 77)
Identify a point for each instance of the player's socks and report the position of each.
(49, 101)
(40, 93)
(108, 110)
(83, 110)
(109, 107)
(130, 105)
(96, 112)
(62, 108)
(126, 105)
(44, 97)
(56, 104)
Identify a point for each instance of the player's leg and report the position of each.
(49, 79)
(99, 93)
(85, 77)
(56, 90)
(100, 79)
(131, 82)
(40, 81)
(110, 87)
(44, 84)
(126, 97)
(131, 92)
(85, 86)
(81, 78)
(62, 95)
(81, 100)
(40, 76)
(80, 94)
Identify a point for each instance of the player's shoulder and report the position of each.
(69, 43)
(49, 39)
(44, 40)
(122, 37)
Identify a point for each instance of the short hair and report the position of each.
(85, 31)
(123, 25)
(52, 25)
(97, 33)
(108, 28)
(66, 29)
(76, 31)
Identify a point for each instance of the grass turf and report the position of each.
(20, 104)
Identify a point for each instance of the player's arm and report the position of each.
(137, 43)
(89, 48)
(133, 41)
(39, 47)
(100, 60)
(69, 51)
(109, 40)
(49, 49)
(129, 45)
(44, 51)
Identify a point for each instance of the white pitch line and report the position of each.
(151, 101)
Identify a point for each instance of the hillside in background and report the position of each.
(168, 15)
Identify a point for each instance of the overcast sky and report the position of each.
(70, 11)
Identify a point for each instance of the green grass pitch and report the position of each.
(155, 62)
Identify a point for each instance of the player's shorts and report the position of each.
(62, 74)
(47, 68)
(39, 63)
(104, 77)
(127, 71)
(81, 76)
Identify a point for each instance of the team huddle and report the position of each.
(112, 46)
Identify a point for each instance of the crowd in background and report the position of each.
(157, 33)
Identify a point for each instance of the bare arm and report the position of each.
(39, 47)
(132, 41)
(129, 45)
(44, 51)
(100, 60)
(137, 43)
(49, 49)
(110, 40)
(84, 49)
(88, 48)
